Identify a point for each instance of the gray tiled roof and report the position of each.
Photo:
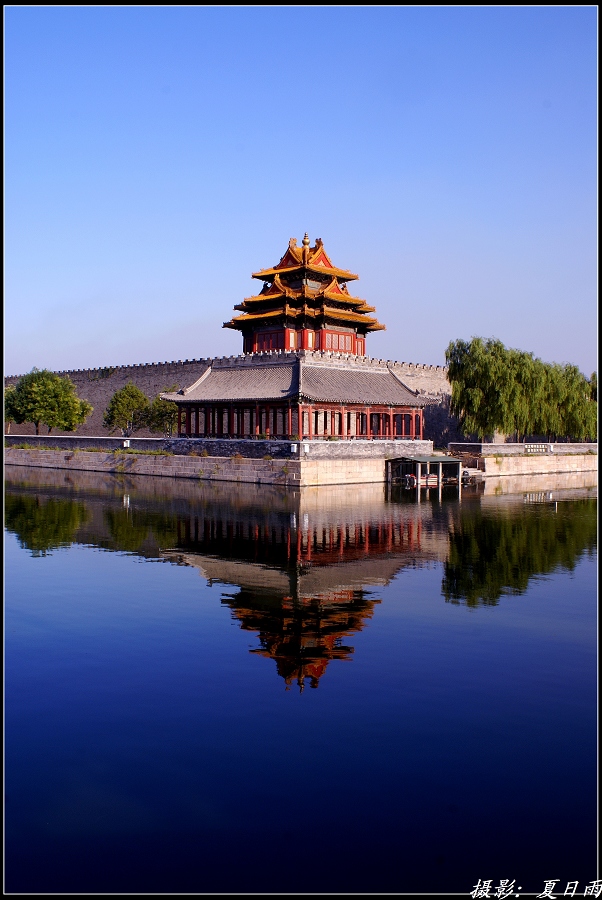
(321, 383)
(244, 383)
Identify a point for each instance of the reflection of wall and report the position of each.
(297, 566)
(560, 486)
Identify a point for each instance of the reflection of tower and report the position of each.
(305, 634)
(299, 564)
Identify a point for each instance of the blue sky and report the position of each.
(155, 157)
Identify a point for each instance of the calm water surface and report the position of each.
(250, 690)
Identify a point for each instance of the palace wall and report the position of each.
(97, 386)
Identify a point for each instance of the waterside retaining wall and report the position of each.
(539, 465)
(286, 472)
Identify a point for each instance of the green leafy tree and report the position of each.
(483, 388)
(43, 398)
(9, 410)
(579, 412)
(593, 387)
(163, 415)
(500, 389)
(127, 410)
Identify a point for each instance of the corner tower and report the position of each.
(304, 305)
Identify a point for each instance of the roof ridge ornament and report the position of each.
(305, 243)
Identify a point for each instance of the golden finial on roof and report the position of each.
(305, 241)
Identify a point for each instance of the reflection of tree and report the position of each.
(497, 553)
(131, 528)
(302, 635)
(43, 526)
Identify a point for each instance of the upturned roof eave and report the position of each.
(268, 274)
(348, 299)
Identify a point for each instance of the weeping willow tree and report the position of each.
(495, 388)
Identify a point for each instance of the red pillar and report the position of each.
(179, 421)
(188, 417)
(289, 422)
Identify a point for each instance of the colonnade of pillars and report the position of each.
(389, 424)
(233, 421)
(295, 422)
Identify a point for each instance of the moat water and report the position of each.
(225, 689)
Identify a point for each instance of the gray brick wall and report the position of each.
(227, 448)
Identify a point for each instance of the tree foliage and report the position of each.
(42, 526)
(162, 416)
(492, 553)
(9, 410)
(499, 389)
(43, 398)
(127, 410)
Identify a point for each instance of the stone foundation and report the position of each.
(289, 473)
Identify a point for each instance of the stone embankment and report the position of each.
(309, 463)
(539, 465)
(516, 459)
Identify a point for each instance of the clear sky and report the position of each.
(155, 157)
